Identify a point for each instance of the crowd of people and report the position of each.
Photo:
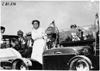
(35, 42)
(32, 45)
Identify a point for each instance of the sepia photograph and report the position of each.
(50, 35)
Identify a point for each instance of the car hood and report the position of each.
(9, 53)
(64, 50)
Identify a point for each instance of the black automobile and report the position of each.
(73, 55)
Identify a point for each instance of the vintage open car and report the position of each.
(80, 55)
(12, 59)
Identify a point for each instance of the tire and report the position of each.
(79, 64)
(19, 65)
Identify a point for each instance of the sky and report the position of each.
(64, 13)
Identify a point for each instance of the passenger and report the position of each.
(80, 34)
(74, 33)
(38, 35)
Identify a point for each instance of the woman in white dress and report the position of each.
(38, 35)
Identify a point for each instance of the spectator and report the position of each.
(21, 40)
(2, 30)
(38, 35)
(20, 44)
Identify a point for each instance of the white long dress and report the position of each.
(39, 44)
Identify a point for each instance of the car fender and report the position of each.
(83, 57)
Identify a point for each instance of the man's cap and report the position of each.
(28, 34)
(19, 32)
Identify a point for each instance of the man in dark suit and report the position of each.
(29, 44)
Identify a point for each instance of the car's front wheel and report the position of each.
(19, 65)
(79, 65)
